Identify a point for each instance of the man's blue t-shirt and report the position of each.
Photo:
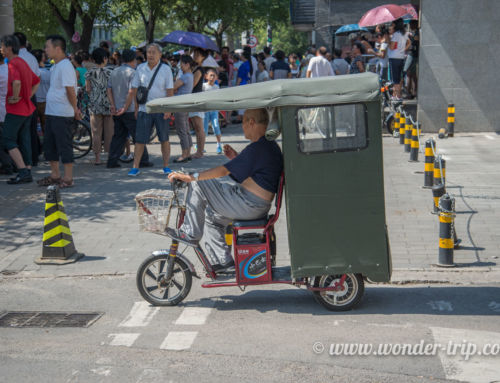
(244, 73)
(262, 160)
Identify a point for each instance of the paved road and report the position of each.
(224, 335)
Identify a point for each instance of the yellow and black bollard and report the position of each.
(437, 192)
(408, 129)
(58, 245)
(414, 144)
(439, 170)
(446, 242)
(451, 120)
(397, 117)
(402, 128)
(430, 144)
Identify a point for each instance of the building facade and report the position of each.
(459, 53)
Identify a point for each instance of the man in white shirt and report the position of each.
(25, 55)
(33, 64)
(61, 111)
(269, 59)
(319, 66)
(162, 86)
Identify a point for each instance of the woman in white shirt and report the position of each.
(397, 47)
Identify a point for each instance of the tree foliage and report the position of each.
(217, 18)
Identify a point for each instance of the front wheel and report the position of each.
(156, 289)
(346, 297)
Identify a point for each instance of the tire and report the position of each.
(149, 282)
(389, 124)
(342, 300)
(82, 139)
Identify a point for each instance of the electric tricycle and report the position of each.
(332, 187)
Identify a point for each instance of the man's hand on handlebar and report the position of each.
(180, 176)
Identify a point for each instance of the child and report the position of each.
(212, 116)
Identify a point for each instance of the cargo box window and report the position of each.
(332, 128)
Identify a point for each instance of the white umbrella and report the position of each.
(210, 63)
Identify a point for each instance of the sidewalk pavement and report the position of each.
(103, 220)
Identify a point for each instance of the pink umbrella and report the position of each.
(411, 12)
(381, 15)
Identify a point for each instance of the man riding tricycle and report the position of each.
(330, 171)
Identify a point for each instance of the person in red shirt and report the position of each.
(22, 85)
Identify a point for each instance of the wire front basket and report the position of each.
(154, 208)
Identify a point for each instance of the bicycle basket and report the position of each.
(153, 209)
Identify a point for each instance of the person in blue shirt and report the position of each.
(256, 172)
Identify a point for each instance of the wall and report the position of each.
(459, 60)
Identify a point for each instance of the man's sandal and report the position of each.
(47, 181)
(66, 184)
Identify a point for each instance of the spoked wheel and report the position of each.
(82, 139)
(156, 289)
(346, 297)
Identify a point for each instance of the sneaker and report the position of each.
(228, 268)
(167, 170)
(219, 149)
(134, 172)
(21, 178)
(127, 159)
(178, 235)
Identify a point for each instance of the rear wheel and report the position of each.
(155, 288)
(346, 297)
(82, 139)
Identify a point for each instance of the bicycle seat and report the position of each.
(253, 222)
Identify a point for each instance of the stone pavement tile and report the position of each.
(103, 220)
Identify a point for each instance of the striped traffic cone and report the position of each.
(58, 245)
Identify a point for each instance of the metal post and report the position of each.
(451, 120)
(414, 144)
(397, 117)
(429, 163)
(439, 170)
(408, 129)
(437, 192)
(402, 127)
(446, 216)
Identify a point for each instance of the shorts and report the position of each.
(58, 139)
(145, 123)
(396, 67)
(197, 114)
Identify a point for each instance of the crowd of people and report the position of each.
(43, 92)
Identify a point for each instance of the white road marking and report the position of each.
(441, 305)
(140, 315)
(153, 375)
(478, 368)
(494, 306)
(179, 340)
(193, 316)
(489, 137)
(447, 158)
(101, 371)
(123, 339)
